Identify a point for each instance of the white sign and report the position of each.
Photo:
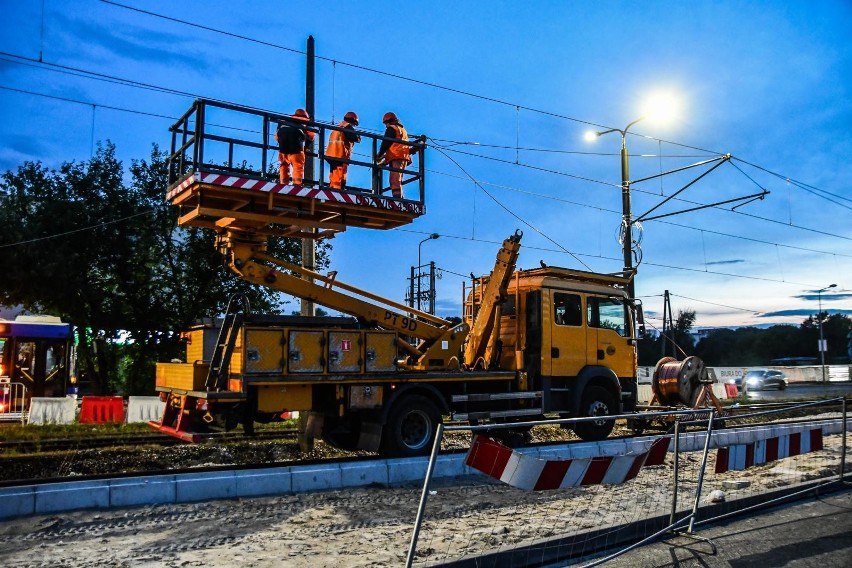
(822, 345)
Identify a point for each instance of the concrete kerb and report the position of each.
(27, 500)
(24, 500)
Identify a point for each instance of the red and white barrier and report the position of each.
(759, 452)
(534, 474)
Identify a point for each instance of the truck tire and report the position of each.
(410, 428)
(596, 401)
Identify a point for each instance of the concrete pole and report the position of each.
(309, 246)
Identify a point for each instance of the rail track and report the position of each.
(134, 454)
(128, 440)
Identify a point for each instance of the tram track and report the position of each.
(127, 455)
(31, 446)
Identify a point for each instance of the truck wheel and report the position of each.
(411, 426)
(597, 401)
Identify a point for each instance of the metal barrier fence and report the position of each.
(13, 402)
(540, 506)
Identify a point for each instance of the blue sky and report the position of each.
(768, 82)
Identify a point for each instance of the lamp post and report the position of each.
(419, 246)
(626, 215)
(822, 345)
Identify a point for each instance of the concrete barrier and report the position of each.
(44, 410)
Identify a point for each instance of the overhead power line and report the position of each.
(619, 259)
(538, 195)
(428, 84)
(80, 230)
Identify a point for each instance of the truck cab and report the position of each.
(570, 335)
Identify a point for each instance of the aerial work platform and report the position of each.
(223, 174)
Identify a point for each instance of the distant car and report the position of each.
(759, 379)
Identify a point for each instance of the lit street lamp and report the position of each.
(429, 238)
(659, 108)
(822, 345)
(626, 220)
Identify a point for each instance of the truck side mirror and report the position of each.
(640, 321)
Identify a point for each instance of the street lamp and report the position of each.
(660, 107)
(429, 238)
(822, 345)
(626, 220)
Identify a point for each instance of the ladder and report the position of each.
(217, 375)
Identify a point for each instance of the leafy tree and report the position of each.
(109, 257)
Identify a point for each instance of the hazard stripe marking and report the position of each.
(529, 472)
(742, 456)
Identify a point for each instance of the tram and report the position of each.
(36, 359)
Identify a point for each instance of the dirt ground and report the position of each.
(370, 526)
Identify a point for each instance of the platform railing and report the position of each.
(235, 140)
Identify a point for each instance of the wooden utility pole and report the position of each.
(309, 246)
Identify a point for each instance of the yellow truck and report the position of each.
(547, 341)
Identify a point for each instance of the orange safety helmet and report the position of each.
(301, 113)
(388, 117)
(351, 117)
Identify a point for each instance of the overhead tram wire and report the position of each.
(619, 259)
(512, 213)
(67, 69)
(80, 230)
(128, 82)
(65, 99)
(404, 78)
(137, 84)
(545, 170)
(714, 304)
(801, 185)
(645, 192)
(615, 212)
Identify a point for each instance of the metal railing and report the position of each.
(235, 140)
(13, 402)
(691, 488)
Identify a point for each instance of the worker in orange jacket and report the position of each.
(340, 147)
(395, 154)
(292, 135)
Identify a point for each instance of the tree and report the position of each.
(109, 258)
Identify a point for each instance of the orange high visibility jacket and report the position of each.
(398, 151)
(340, 143)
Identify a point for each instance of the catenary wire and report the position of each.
(108, 78)
(538, 195)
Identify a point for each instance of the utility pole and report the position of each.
(309, 246)
(668, 327)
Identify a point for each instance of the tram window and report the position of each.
(567, 309)
(4, 365)
(26, 356)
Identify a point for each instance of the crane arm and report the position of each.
(481, 342)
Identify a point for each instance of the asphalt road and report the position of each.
(809, 391)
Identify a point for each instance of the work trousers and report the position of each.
(337, 176)
(296, 162)
(395, 178)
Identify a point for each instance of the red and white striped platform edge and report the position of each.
(759, 452)
(322, 194)
(530, 472)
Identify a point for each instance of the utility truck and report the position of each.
(545, 341)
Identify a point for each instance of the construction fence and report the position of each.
(577, 503)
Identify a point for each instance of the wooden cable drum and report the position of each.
(678, 382)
